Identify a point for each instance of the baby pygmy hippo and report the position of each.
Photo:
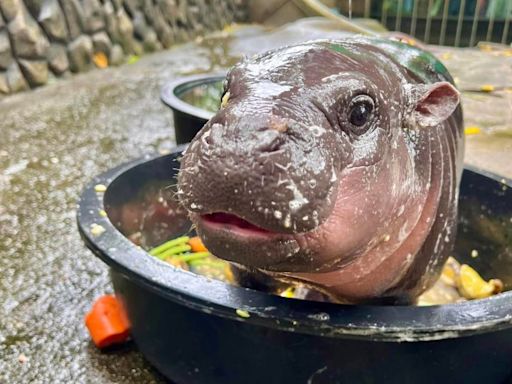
(333, 164)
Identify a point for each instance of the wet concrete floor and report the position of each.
(55, 139)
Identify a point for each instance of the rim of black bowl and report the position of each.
(171, 91)
(369, 322)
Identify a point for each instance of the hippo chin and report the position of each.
(334, 164)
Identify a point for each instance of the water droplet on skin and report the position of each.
(305, 218)
(278, 214)
(287, 221)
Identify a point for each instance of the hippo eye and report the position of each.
(360, 112)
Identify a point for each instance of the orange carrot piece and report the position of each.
(107, 322)
(197, 245)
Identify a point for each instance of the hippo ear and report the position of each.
(433, 103)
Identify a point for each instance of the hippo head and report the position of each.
(314, 163)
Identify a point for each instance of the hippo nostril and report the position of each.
(269, 141)
(207, 138)
(279, 125)
(213, 136)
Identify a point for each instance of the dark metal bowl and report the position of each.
(187, 325)
(189, 117)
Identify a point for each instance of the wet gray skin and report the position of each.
(333, 164)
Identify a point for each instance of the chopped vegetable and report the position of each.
(178, 263)
(179, 249)
(97, 229)
(192, 256)
(107, 322)
(288, 293)
(170, 244)
(472, 130)
(243, 313)
(100, 60)
(450, 272)
(100, 188)
(487, 88)
(197, 245)
(472, 286)
(133, 59)
(446, 56)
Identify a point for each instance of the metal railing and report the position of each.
(444, 22)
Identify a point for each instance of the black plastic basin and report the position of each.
(193, 101)
(187, 325)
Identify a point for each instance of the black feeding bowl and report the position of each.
(193, 101)
(187, 325)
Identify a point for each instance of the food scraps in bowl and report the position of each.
(458, 282)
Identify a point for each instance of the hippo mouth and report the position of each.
(235, 224)
(238, 240)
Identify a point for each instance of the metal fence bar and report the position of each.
(367, 8)
(444, 22)
(414, 18)
(484, 11)
(384, 14)
(398, 22)
(459, 22)
(507, 24)
(475, 23)
(490, 27)
(426, 36)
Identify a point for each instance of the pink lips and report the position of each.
(234, 224)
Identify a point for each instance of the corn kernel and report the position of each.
(472, 130)
(487, 88)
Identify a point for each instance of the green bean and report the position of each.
(192, 256)
(165, 246)
(174, 251)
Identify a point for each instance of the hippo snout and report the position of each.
(267, 179)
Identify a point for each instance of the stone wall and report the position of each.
(44, 38)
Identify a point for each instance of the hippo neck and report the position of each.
(423, 251)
